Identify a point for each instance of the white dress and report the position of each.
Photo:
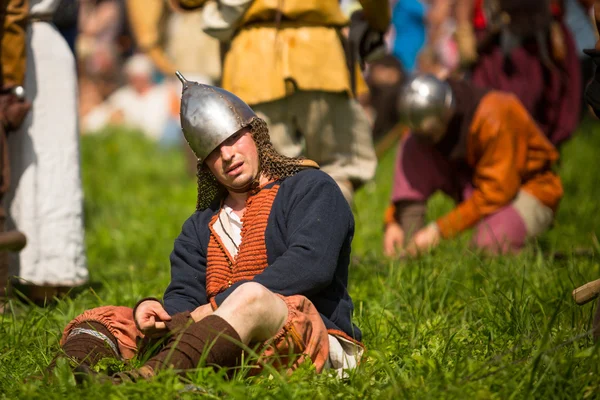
(46, 198)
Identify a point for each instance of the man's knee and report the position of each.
(254, 311)
(252, 294)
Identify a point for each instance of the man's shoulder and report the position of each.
(308, 176)
(310, 184)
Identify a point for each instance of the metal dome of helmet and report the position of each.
(210, 115)
(425, 102)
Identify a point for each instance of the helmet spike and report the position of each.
(210, 115)
(184, 81)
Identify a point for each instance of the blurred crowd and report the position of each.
(127, 52)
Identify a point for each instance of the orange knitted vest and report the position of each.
(222, 270)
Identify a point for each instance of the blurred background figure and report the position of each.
(484, 150)
(440, 53)
(578, 17)
(101, 45)
(592, 92)
(13, 108)
(524, 47)
(384, 78)
(174, 40)
(66, 20)
(140, 104)
(409, 31)
(385, 75)
(45, 200)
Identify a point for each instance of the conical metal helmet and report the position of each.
(210, 115)
(426, 105)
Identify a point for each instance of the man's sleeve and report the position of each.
(187, 289)
(496, 178)
(318, 224)
(221, 20)
(13, 15)
(377, 13)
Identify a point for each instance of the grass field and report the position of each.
(452, 324)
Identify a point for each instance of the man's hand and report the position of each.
(150, 316)
(12, 111)
(393, 239)
(424, 240)
(201, 312)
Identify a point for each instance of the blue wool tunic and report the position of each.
(308, 238)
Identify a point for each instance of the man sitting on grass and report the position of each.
(484, 150)
(262, 262)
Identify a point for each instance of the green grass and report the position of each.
(452, 324)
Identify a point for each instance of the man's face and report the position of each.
(235, 162)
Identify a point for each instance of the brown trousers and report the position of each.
(329, 128)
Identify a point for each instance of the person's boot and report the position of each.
(88, 343)
(188, 341)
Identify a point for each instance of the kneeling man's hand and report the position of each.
(424, 240)
(393, 239)
(150, 317)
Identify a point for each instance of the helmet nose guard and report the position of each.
(210, 115)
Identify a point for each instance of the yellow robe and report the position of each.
(268, 60)
(12, 55)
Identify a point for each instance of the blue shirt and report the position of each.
(408, 19)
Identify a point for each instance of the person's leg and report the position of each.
(103, 332)
(254, 312)
(501, 233)
(338, 136)
(251, 313)
(88, 343)
(537, 217)
(507, 230)
(303, 336)
(279, 118)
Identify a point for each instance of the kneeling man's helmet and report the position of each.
(426, 104)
